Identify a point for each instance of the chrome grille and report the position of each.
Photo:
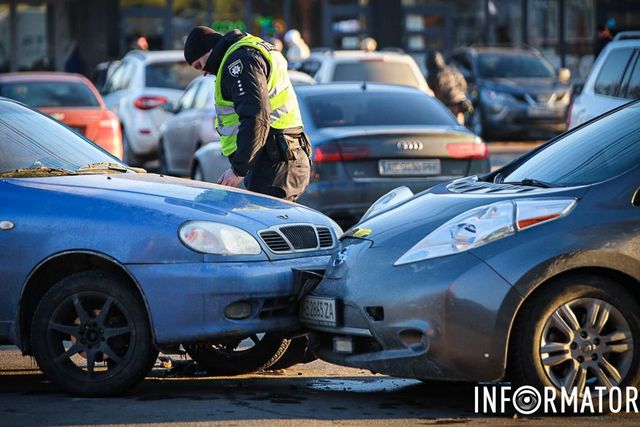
(325, 237)
(300, 236)
(275, 241)
(297, 238)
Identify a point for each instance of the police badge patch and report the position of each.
(235, 69)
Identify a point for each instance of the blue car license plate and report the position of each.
(318, 311)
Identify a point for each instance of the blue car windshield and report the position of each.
(32, 140)
(594, 153)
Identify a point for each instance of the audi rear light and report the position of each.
(149, 102)
(468, 150)
(333, 153)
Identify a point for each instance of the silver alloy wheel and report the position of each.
(586, 342)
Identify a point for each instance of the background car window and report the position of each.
(310, 67)
(204, 94)
(375, 71)
(120, 79)
(367, 109)
(170, 75)
(50, 94)
(611, 73)
(29, 139)
(497, 65)
(186, 102)
(633, 88)
(594, 153)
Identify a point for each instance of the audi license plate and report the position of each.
(318, 311)
(409, 167)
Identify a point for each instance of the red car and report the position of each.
(69, 98)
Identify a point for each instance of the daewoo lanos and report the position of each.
(529, 273)
(103, 264)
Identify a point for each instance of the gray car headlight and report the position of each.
(218, 239)
(486, 224)
(388, 201)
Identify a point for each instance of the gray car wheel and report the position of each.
(577, 332)
(128, 155)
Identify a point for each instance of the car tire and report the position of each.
(298, 352)
(90, 334)
(578, 331)
(225, 358)
(128, 156)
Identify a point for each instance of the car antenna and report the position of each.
(364, 85)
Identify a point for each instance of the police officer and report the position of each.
(258, 118)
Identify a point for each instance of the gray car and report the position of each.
(369, 138)
(190, 127)
(530, 273)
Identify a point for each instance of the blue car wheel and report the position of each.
(91, 335)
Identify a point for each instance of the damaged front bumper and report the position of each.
(446, 318)
(187, 302)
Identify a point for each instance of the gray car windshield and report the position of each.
(30, 140)
(498, 65)
(377, 109)
(170, 75)
(602, 150)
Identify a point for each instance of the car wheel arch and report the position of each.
(627, 281)
(53, 269)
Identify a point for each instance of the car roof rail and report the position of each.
(627, 35)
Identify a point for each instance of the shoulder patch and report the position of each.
(235, 68)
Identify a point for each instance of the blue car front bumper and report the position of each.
(186, 302)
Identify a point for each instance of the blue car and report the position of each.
(103, 264)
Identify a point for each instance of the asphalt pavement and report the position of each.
(313, 394)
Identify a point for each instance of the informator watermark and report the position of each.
(528, 400)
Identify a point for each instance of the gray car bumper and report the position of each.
(447, 318)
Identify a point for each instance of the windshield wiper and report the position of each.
(36, 171)
(530, 182)
(106, 167)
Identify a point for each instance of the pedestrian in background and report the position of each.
(257, 113)
(448, 85)
(603, 36)
(297, 49)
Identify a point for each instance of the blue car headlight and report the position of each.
(218, 239)
(485, 224)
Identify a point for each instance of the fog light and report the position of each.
(343, 345)
(238, 310)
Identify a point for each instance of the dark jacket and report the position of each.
(249, 93)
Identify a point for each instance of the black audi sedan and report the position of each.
(530, 273)
(515, 91)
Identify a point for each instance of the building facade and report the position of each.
(75, 35)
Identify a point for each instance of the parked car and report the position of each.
(529, 273)
(190, 127)
(104, 266)
(357, 66)
(144, 81)
(516, 92)
(368, 139)
(70, 99)
(613, 80)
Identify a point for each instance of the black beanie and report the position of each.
(200, 41)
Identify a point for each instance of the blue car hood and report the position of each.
(184, 198)
(411, 221)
